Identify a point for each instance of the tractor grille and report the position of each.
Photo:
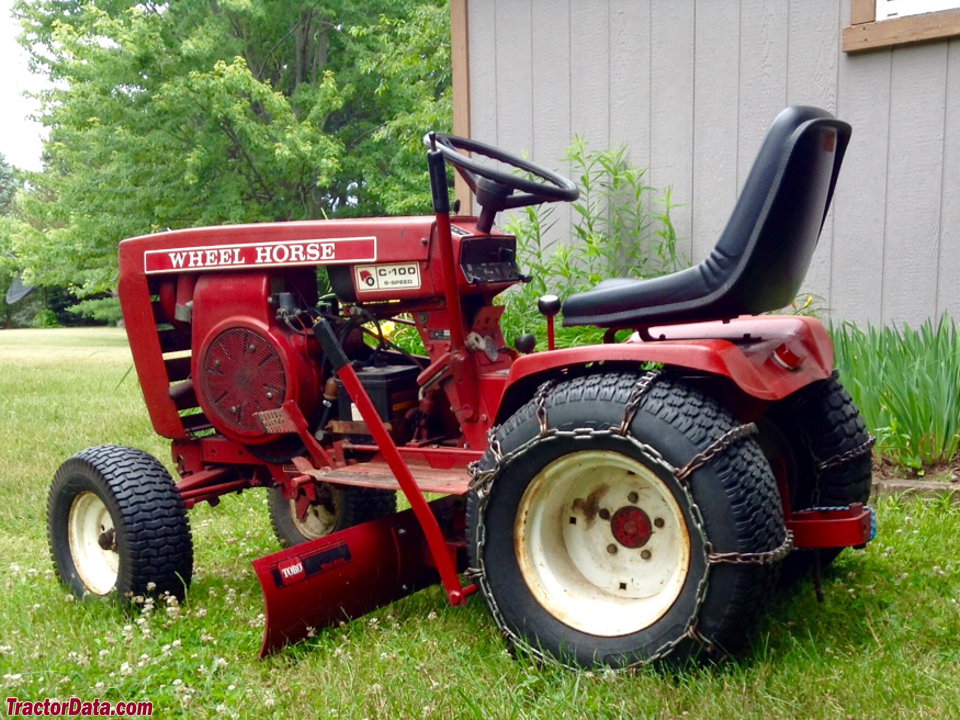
(242, 374)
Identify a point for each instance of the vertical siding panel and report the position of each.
(590, 71)
(911, 250)
(551, 96)
(630, 78)
(714, 122)
(859, 204)
(514, 77)
(630, 82)
(482, 28)
(764, 45)
(814, 28)
(814, 31)
(671, 108)
(948, 296)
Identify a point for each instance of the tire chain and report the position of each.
(482, 480)
(732, 436)
(838, 460)
(845, 457)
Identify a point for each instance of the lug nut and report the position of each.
(633, 497)
(604, 514)
(658, 522)
(645, 554)
(612, 549)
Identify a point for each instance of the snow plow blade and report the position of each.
(346, 574)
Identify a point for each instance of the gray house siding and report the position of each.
(691, 86)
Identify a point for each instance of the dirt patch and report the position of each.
(936, 480)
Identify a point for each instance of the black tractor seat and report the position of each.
(764, 251)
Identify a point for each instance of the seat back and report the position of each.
(764, 251)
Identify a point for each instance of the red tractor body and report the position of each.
(261, 382)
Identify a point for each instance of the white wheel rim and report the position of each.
(570, 530)
(319, 521)
(93, 546)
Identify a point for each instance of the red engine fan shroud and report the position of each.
(244, 368)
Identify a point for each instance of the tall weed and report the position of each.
(907, 384)
(621, 228)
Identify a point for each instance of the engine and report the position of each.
(253, 351)
(244, 360)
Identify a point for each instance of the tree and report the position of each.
(205, 112)
(23, 311)
(9, 184)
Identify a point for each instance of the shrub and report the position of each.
(46, 318)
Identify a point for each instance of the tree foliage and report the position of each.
(204, 112)
(9, 184)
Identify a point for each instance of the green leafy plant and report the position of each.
(907, 385)
(46, 319)
(621, 228)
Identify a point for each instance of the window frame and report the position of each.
(865, 33)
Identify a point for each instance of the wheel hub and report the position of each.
(602, 543)
(318, 518)
(93, 543)
(631, 527)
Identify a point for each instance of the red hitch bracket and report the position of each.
(831, 527)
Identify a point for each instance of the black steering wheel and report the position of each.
(497, 189)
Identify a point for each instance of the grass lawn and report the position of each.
(885, 644)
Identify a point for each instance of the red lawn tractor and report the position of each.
(614, 504)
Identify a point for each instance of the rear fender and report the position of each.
(767, 358)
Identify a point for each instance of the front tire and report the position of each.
(591, 550)
(117, 524)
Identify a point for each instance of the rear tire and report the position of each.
(117, 524)
(337, 508)
(818, 423)
(588, 547)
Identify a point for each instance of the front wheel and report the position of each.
(117, 524)
(593, 548)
